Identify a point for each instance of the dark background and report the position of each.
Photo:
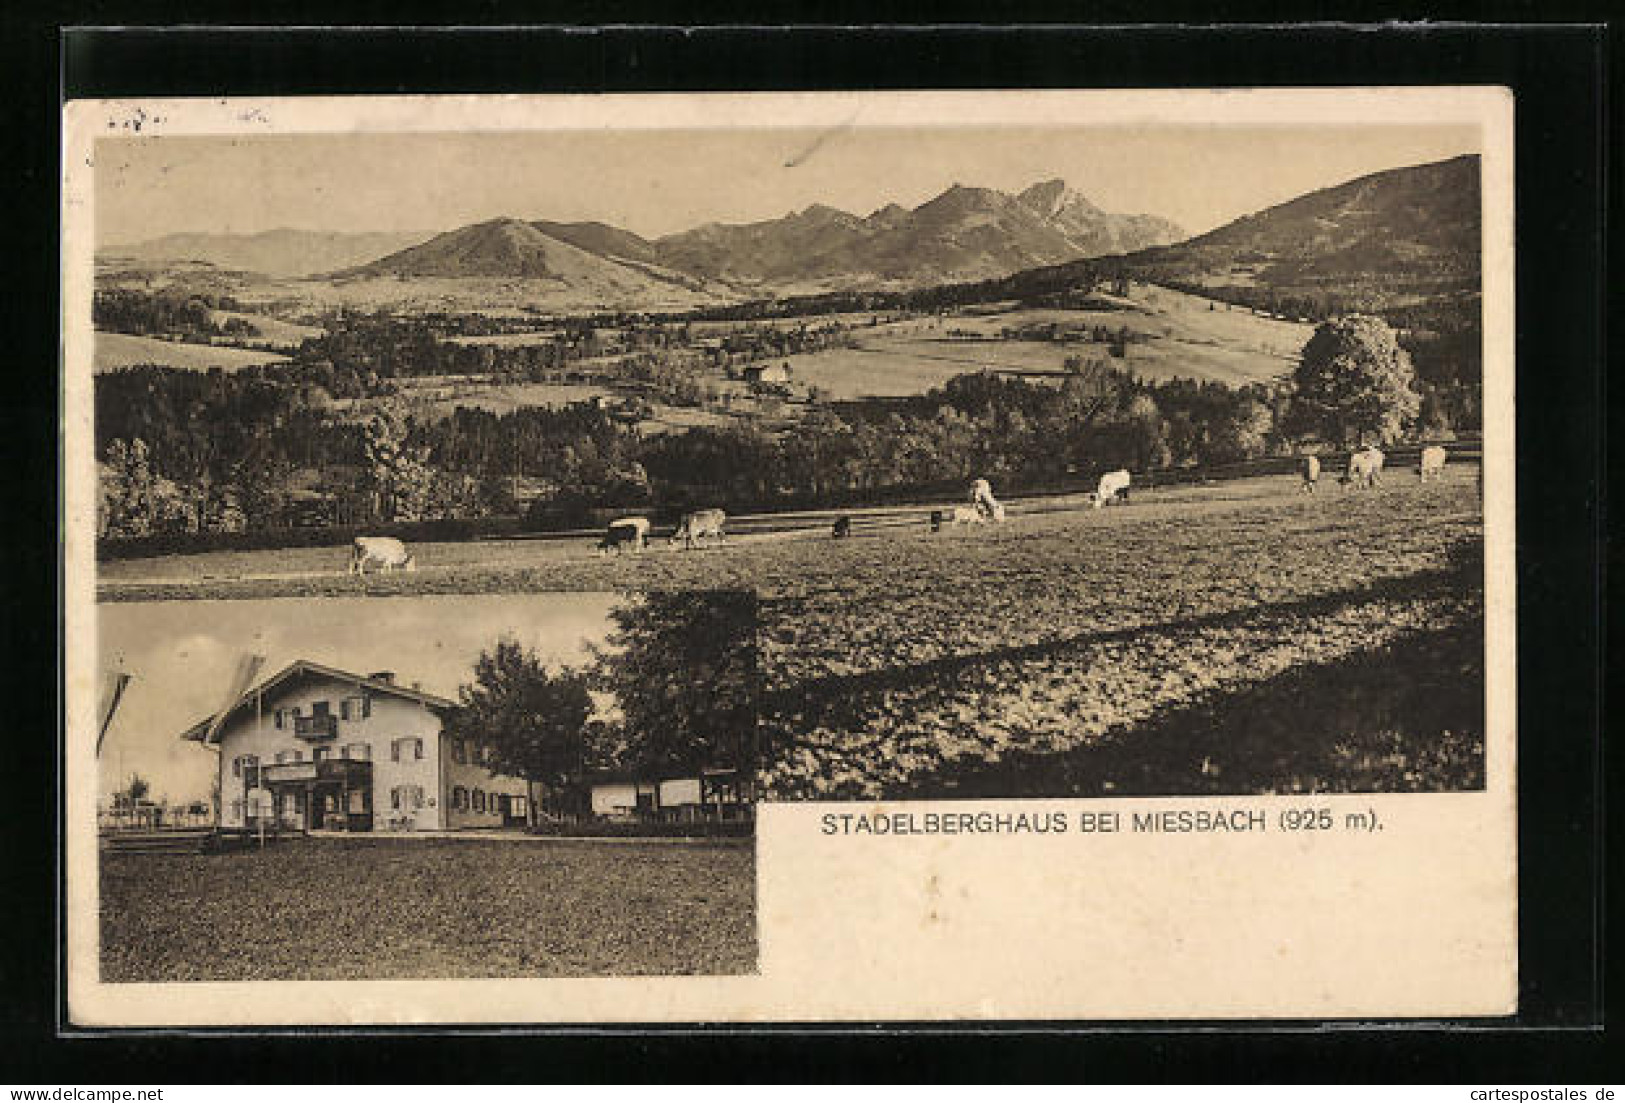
(1558, 74)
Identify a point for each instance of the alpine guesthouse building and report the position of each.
(314, 748)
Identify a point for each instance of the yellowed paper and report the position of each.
(876, 896)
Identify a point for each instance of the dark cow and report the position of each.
(624, 532)
(842, 528)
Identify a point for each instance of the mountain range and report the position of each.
(964, 233)
(1389, 238)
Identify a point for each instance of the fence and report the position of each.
(149, 818)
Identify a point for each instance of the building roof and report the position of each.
(302, 668)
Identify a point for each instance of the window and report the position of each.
(284, 756)
(355, 708)
(479, 800)
(321, 754)
(459, 752)
(459, 799)
(237, 766)
(516, 806)
(319, 709)
(395, 750)
(278, 718)
(417, 748)
(361, 752)
(237, 809)
(358, 801)
(298, 756)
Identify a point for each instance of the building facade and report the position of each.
(315, 748)
(709, 795)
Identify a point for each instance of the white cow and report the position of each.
(699, 524)
(1431, 465)
(1309, 467)
(1365, 466)
(386, 551)
(981, 497)
(1113, 486)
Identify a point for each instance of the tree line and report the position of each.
(188, 315)
(188, 452)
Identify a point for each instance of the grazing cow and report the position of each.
(1365, 467)
(842, 528)
(1309, 468)
(981, 496)
(967, 515)
(1431, 465)
(624, 531)
(1113, 486)
(386, 551)
(698, 525)
(938, 519)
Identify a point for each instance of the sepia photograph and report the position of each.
(533, 787)
(1080, 462)
(529, 538)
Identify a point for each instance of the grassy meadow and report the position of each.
(375, 909)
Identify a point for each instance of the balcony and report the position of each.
(352, 772)
(316, 727)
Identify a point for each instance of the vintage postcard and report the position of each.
(790, 558)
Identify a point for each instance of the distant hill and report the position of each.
(1406, 234)
(508, 248)
(603, 240)
(281, 253)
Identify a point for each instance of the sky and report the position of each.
(657, 182)
(181, 656)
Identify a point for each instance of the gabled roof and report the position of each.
(304, 667)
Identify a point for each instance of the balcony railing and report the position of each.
(316, 727)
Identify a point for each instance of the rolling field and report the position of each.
(1179, 336)
(1235, 638)
(118, 350)
(360, 908)
(273, 331)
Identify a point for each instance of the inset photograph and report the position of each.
(515, 785)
